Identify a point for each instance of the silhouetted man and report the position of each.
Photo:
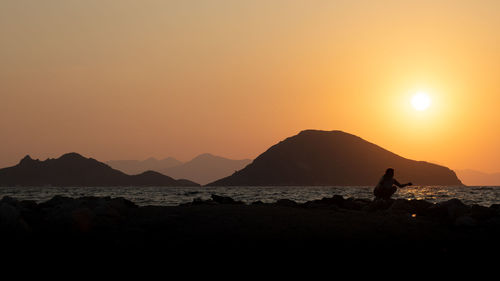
(387, 185)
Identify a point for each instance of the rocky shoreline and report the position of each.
(114, 226)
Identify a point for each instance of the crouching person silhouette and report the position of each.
(386, 187)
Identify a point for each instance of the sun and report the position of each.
(421, 101)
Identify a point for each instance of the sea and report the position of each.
(172, 196)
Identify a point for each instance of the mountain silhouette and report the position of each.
(316, 157)
(72, 169)
(133, 167)
(477, 178)
(206, 168)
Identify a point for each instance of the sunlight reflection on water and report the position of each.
(170, 196)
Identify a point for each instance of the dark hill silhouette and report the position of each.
(206, 168)
(72, 169)
(133, 167)
(316, 157)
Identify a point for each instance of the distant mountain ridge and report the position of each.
(206, 168)
(202, 169)
(477, 178)
(133, 167)
(72, 169)
(315, 157)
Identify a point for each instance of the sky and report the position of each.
(134, 79)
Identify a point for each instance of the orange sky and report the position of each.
(133, 79)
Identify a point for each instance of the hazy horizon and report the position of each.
(130, 79)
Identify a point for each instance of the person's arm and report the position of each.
(401, 185)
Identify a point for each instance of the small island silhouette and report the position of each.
(72, 169)
(315, 157)
(311, 158)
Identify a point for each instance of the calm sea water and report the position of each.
(171, 196)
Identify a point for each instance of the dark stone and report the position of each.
(410, 206)
(448, 210)
(81, 219)
(56, 201)
(465, 221)
(495, 206)
(286, 203)
(199, 201)
(11, 219)
(9, 200)
(482, 213)
(401, 205)
(334, 202)
(106, 225)
(420, 206)
(257, 203)
(354, 204)
(122, 205)
(379, 205)
(225, 200)
(29, 204)
(9, 214)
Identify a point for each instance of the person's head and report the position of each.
(389, 173)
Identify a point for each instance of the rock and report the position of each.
(93, 224)
(410, 206)
(378, 205)
(58, 211)
(401, 205)
(83, 214)
(225, 200)
(354, 204)
(199, 201)
(8, 214)
(122, 205)
(334, 200)
(493, 222)
(56, 202)
(30, 212)
(420, 206)
(106, 211)
(257, 203)
(496, 208)
(9, 200)
(11, 219)
(465, 221)
(327, 202)
(286, 203)
(337, 201)
(448, 210)
(482, 213)
(81, 219)
(29, 204)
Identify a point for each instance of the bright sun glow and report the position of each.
(421, 101)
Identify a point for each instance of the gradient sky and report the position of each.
(133, 79)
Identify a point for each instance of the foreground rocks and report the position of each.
(345, 226)
(451, 212)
